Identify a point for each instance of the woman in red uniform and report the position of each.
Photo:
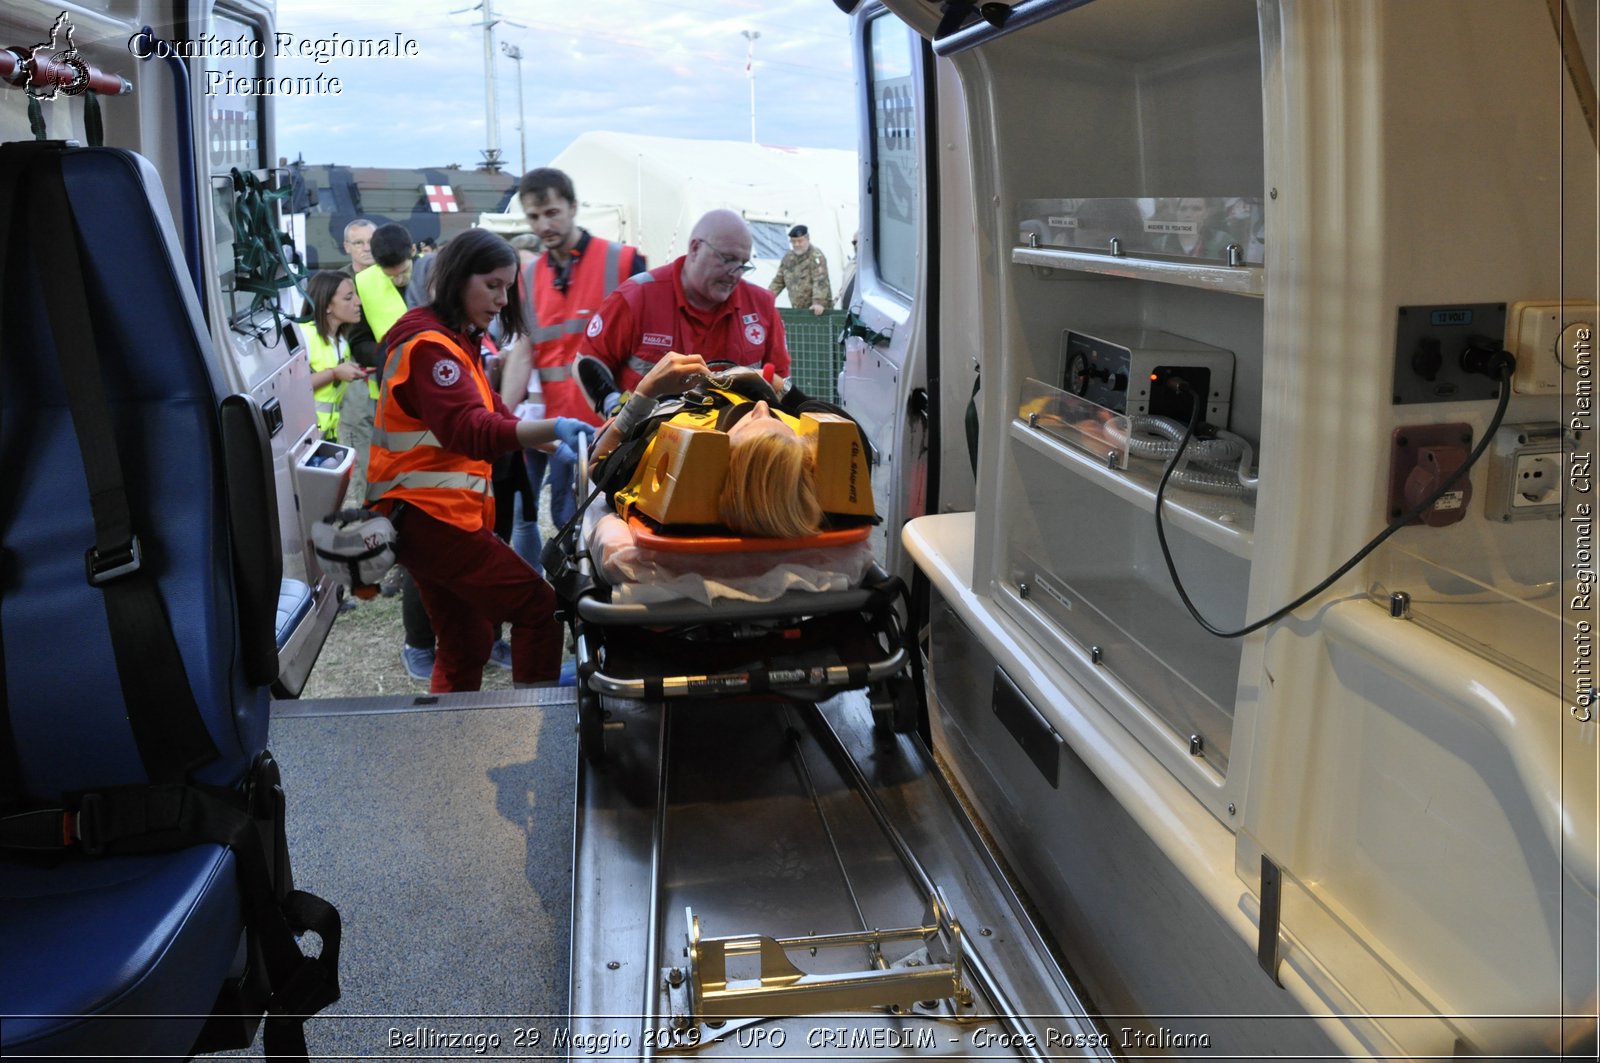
(439, 426)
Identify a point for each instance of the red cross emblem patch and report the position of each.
(755, 334)
(446, 373)
(441, 199)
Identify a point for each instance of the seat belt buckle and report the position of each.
(89, 825)
(42, 829)
(115, 564)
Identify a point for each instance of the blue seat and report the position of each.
(94, 944)
(139, 936)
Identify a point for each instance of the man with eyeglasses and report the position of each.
(699, 303)
(358, 245)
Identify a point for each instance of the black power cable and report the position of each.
(1498, 364)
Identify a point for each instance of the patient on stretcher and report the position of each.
(719, 487)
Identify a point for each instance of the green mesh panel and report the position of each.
(815, 357)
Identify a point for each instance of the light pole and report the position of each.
(750, 69)
(491, 154)
(513, 53)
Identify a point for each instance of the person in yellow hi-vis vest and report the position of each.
(382, 290)
(331, 308)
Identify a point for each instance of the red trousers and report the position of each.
(471, 581)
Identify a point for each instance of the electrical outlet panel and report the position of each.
(1548, 337)
(1527, 469)
(1430, 342)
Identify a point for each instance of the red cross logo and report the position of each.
(441, 200)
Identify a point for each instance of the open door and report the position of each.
(892, 371)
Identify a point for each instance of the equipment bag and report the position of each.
(356, 547)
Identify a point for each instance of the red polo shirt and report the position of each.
(649, 316)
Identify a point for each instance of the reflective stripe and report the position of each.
(546, 333)
(391, 365)
(613, 267)
(641, 365)
(382, 437)
(422, 479)
(326, 407)
(551, 373)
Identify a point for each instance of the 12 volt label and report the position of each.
(1450, 317)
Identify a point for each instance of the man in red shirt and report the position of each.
(698, 303)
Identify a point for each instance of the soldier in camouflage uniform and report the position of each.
(804, 271)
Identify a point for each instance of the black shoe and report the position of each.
(596, 380)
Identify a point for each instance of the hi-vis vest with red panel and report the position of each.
(560, 319)
(407, 464)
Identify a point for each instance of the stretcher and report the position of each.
(742, 629)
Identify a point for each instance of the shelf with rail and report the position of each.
(1223, 521)
(1247, 281)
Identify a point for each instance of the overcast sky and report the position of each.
(666, 67)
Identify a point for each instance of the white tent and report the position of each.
(649, 191)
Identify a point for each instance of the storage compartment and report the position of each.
(1140, 214)
(1083, 567)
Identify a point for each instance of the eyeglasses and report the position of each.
(730, 263)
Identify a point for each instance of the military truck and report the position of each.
(434, 203)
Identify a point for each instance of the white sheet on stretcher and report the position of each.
(639, 575)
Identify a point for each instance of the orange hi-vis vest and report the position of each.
(407, 464)
(560, 318)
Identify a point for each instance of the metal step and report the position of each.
(544, 696)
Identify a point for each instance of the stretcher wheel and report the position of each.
(895, 707)
(591, 725)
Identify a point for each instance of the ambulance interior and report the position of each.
(1061, 807)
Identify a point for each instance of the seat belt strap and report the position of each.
(167, 726)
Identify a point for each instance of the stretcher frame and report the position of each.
(871, 605)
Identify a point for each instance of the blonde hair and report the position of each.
(771, 488)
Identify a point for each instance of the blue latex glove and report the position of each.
(569, 430)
